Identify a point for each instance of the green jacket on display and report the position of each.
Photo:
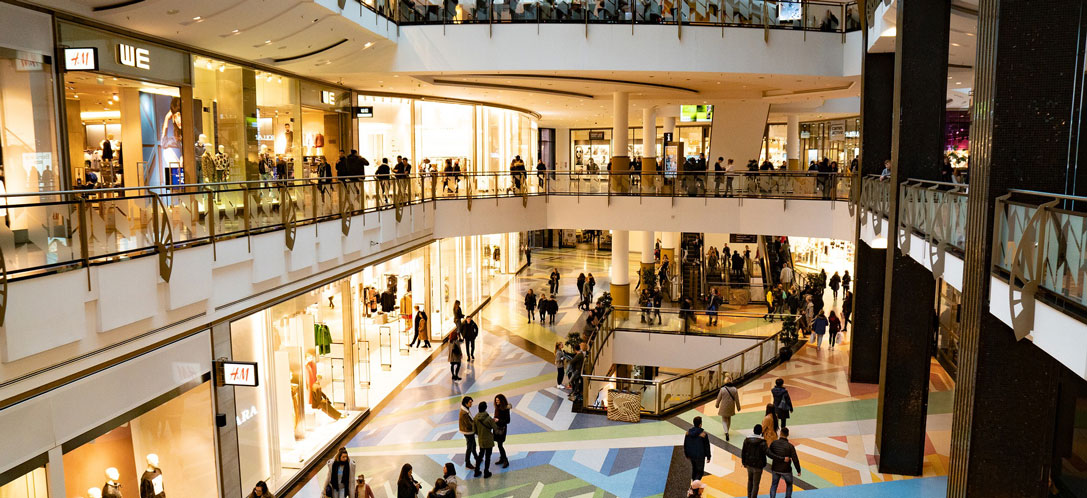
(322, 338)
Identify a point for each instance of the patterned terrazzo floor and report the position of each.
(554, 452)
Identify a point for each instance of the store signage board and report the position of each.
(131, 56)
(743, 238)
(328, 97)
(81, 59)
(364, 112)
(237, 373)
(596, 135)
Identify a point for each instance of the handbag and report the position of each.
(839, 338)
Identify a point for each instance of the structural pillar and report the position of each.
(670, 127)
(917, 145)
(792, 141)
(620, 142)
(870, 264)
(1020, 138)
(648, 246)
(649, 148)
(620, 267)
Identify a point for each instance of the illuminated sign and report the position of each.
(596, 135)
(135, 57)
(696, 113)
(81, 59)
(246, 415)
(328, 97)
(364, 112)
(237, 373)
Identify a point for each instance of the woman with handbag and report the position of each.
(783, 404)
(502, 421)
(341, 473)
(455, 354)
(406, 485)
(835, 329)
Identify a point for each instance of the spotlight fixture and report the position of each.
(222, 67)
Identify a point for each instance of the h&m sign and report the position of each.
(128, 55)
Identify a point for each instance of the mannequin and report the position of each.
(207, 159)
(94, 493)
(112, 488)
(201, 144)
(151, 485)
(222, 164)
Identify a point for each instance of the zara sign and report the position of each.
(131, 56)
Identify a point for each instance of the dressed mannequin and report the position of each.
(222, 164)
(207, 159)
(112, 488)
(151, 485)
(94, 493)
(201, 144)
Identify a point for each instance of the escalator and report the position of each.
(774, 253)
(692, 273)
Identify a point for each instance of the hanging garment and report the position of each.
(388, 301)
(322, 338)
(151, 484)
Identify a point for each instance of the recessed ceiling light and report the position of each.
(368, 45)
(172, 12)
(969, 34)
(958, 82)
(955, 45)
(198, 18)
(235, 31)
(222, 67)
(949, 77)
(267, 42)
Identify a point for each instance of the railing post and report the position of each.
(84, 239)
(213, 216)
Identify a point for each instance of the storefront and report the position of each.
(128, 104)
(325, 356)
(27, 105)
(814, 254)
(325, 124)
(949, 314)
(590, 149)
(220, 110)
(837, 140)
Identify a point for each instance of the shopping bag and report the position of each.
(840, 338)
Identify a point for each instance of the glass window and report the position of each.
(443, 131)
(27, 128)
(279, 134)
(219, 119)
(29, 485)
(168, 447)
(388, 133)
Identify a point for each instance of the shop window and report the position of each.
(443, 132)
(219, 119)
(30, 485)
(279, 137)
(27, 129)
(388, 133)
(591, 149)
(168, 448)
(123, 132)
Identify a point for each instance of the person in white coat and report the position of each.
(728, 403)
(340, 481)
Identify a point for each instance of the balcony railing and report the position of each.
(831, 17)
(664, 396)
(64, 230)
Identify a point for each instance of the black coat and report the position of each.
(469, 331)
(753, 453)
(696, 444)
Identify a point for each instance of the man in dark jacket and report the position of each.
(784, 458)
(469, 331)
(421, 334)
(753, 456)
(341, 165)
(384, 174)
(696, 447)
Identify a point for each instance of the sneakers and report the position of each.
(560, 386)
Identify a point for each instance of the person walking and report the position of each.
(783, 455)
(363, 490)
(467, 428)
(590, 284)
(770, 300)
(485, 428)
(696, 447)
(530, 305)
(528, 256)
(727, 404)
(541, 307)
(458, 315)
(658, 299)
(711, 308)
(469, 333)
(846, 280)
(580, 286)
(502, 421)
(847, 308)
(552, 308)
(783, 403)
(835, 282)
(406, 485)
(770, 424)
(835, 328)
(260, 490)
(341, 471)
(560, 364)
(786, 275)
(819, 328)
(554, 281)
(421, 334)
(456, 356)
(753, 457)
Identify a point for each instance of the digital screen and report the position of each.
(789, 11)
(81, 59)
(696, 113)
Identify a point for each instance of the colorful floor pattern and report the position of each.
(556, 453)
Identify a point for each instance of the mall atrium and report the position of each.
(543, 248)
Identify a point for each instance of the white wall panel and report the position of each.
(127, 293)
(737, 130)
(330, 241)
(269, 256)
(304, 254)
(675, 350)
(44, 313)
(191, 277)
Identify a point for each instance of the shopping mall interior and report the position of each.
(370, 248)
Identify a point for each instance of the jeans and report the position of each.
(788, 476)
(754, 478)
(470, 452)
(698, 468)
(454, 368)
(560, 375)
(420, 339)
(531, 314)
(470, 348)
(484, 462)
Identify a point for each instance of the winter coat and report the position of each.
(782, 401)
(696, 444)
(465, 422)
(350, 477)
(485, 427)
(728, 401)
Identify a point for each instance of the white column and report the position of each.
(792, 141)
(620, 134)
(649, 132)
(648, 244)
(670, 126)
(620, 257)
(668, 240)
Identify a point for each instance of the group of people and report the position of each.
(546, 304)
(769, 439)
(465, 331)
(482, 433)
